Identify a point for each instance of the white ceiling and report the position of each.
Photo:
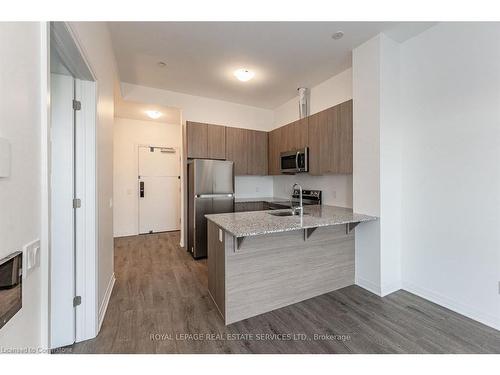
(201, 56)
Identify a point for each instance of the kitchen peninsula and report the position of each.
(263, 260)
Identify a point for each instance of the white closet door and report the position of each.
(62, 258)
(159, 190)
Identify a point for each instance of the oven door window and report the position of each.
(288, 162)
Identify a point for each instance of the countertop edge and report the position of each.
(364, 218)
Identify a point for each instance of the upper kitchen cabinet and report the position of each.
(258, 153)
(299, 135)
(205, 141)
(318, 143)
(216, 145)
(274, 143)
(197, 136)
(330, 140)
(343, 132)
(236, 149)
(248, 150)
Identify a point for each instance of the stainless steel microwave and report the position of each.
(295, 161)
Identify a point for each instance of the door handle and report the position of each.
(141, 189)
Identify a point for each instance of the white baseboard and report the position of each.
(390, 288)
(368, 285)
(105, 301)
(458, 307)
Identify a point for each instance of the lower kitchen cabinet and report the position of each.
(250, 206)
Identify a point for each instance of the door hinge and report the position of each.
(77, 105)
(77, 301)
(77, 203)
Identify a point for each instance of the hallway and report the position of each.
(160, 304)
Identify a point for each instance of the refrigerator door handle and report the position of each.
(213, 196)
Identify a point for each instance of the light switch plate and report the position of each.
(31, 257)
(4, 158)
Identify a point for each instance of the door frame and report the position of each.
(178, 152)
(60, 36)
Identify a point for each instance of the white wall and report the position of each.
(450, 90)
(366, 161)
(201, 109)
(95, 41)
(20, 77)
(128, 134)
(377, 164)
(337, 189)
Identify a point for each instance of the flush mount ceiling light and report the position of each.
(154, 114)
(339, 34)
(244, 74)
(162, 64)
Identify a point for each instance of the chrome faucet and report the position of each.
(299, 209)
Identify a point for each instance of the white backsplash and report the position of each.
(336, 189)
(253, 186)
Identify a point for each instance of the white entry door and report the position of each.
(159, 189)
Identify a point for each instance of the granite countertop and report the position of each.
(242, 224)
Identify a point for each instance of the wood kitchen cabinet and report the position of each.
(318, 142)
(293, 136)
(328, 134)
(197, 140)
(205, 141)
(330, 140)
(343, 134)
(216, 142)
(298, 134)
(257, 153)
(274, 152)
(248, 149)
(237, 149)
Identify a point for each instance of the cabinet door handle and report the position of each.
(141, 189)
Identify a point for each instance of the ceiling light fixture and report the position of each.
(339, 34)
(162, 64)
(243, 74)
(154, 114)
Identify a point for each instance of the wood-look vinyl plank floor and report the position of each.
(160, 298)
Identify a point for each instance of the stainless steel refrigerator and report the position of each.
(210, 191)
